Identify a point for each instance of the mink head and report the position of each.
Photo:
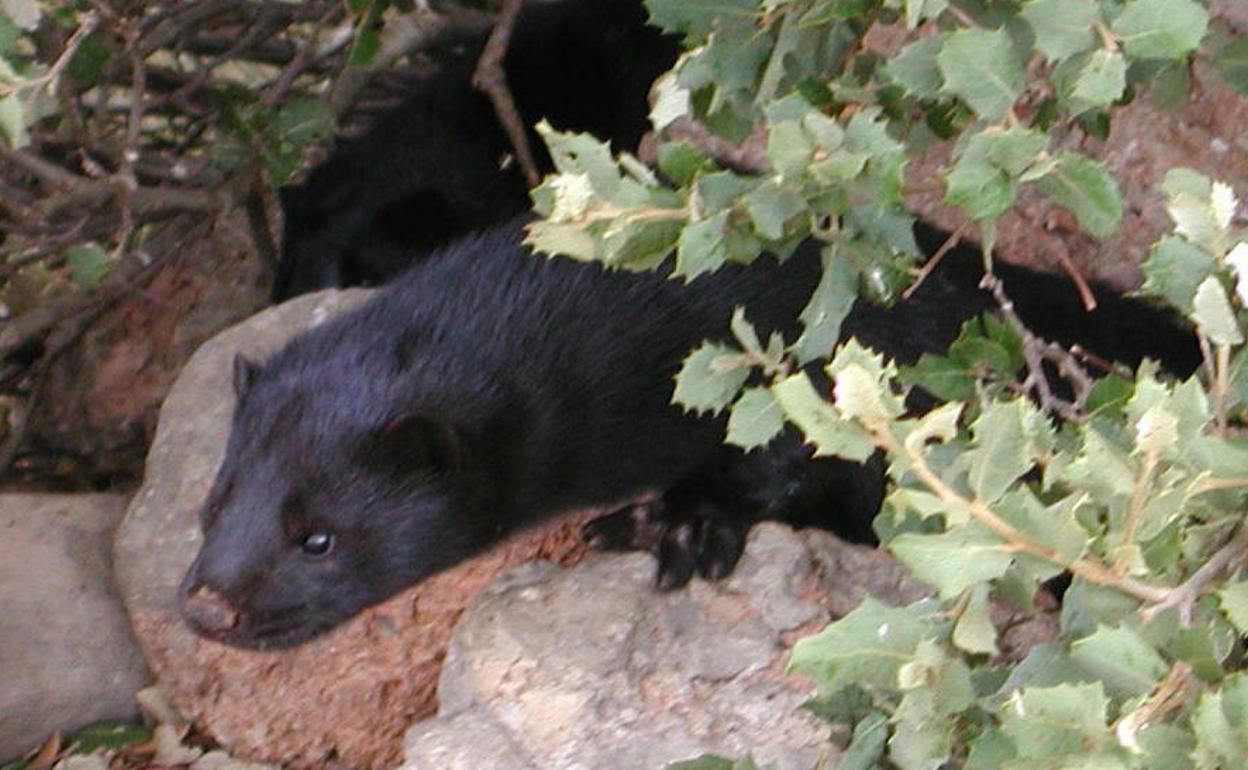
(336, 492)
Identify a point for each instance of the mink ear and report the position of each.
(245, 372)
(415, 444)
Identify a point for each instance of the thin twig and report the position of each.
(1035, 352)
(1058, 249)
(1184, 597)
(954, 238)
(490, 78)
(1085, 566)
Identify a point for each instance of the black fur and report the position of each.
(429, 172)
(489, 388)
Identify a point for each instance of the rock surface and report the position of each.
(590, 669)
(67, 656)
(347, 696)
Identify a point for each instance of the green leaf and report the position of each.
(1185, 181)
(90, 59)
(1221, 726)
(365, 46)
(955, 560)
(860, 385)
(1212, 312)
(13, 122)
(704, 762)
(1161, 29)
(1171, 84)
(922, 737)
(1232, 64)
(771, 206)
(819, 421)
(973, 631)
(789, 148)
(867, 647)
(1002, 449)
(10, 33)
(1101, 81)
(1120, 659)
(88, 264)
(1067, 720)
(1174, 270)
(702, 247)
(640, 244)
(990, 750)
(698, 17)
(1052, 526)
(584, 154)
(1234, 600)
(1063, 28)
(829, 305)
(861, 395)
(866, 746)
(940, 676)
(940, 424)
(1087, 606)
(978, 188)
(671, 102)
(755, 420)
(914, 68)
(710, 378)
(304, 120)
(982, 68)
(554, 238)
(1085, 188)
(1101, 468)
(1199, 208)
(108, 735)
(1205, 646)
(919, 10)
(721, 190)
(1166, 746)
(868, 133)
(681, 162)
(1045, 665)
(944, 378)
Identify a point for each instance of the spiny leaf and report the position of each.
(819, 421)
(1001, 453)
(829, 304)
(755, 420)
(710, 378)
(1212, 312)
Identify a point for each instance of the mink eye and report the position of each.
(317, 543)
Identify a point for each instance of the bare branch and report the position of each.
(1035, 352)
(490, 78)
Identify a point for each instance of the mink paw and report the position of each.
(708, 545)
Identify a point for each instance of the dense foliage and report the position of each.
(1136, 492)
(118, 117)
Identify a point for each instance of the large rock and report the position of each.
(347, 696)
(67, 657)
(591, 669)
(553, 668)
